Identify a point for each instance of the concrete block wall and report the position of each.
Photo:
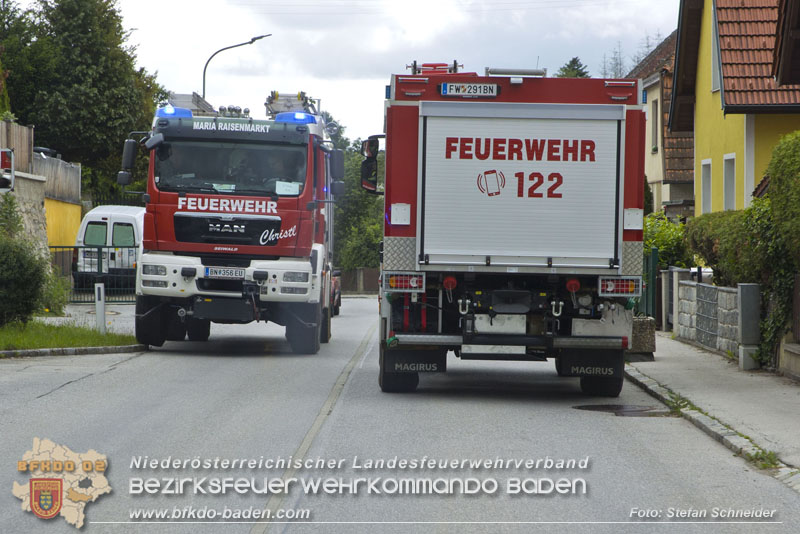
(687, 310)
(727, 320)
(710, 315)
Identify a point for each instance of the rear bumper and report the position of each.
(537, 342)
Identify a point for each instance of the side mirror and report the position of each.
(369, 175)
(124, 177)
(337, 188)
(7, 166)
(337, 164)
(370, 147)
(129, 154)
(154, 141)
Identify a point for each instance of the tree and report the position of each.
(614, 66)
(76, 80)
(573, 69)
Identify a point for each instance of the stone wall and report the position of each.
(687, 307)
(727, 320)
(29, 192)
(709, 315)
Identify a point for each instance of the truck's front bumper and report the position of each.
(289, 280)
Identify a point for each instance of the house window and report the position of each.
(654, 125)
(705, 184)
(729, 181)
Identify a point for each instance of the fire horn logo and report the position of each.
(491, 183)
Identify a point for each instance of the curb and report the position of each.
(722, 433)
(72, 351)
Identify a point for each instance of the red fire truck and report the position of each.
(239, 222)
(513, 222)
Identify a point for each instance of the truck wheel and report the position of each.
(396, 382)
(303, 339)
(325, 330)
(198, 329)
(150, 329)
(601, 387)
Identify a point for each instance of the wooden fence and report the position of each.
(20, 138)
(63, 178)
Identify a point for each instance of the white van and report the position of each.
(116, 232)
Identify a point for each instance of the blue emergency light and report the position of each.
(171, 112)
(295, 117)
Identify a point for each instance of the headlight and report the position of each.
(158, 270)
(295, 277)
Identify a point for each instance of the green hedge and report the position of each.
(784, 189)
(668, 237)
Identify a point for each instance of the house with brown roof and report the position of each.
(669, 156)
(724, 91)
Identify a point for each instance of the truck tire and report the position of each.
(304, 339)
(396, 382)
(601, 387)
(149, 329)
(325, 330)
(198, 329)
(560, 367)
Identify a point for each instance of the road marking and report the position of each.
(274, 502)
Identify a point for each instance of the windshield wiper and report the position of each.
(260, 192)
(203, 188)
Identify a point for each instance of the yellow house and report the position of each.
(725, 92)
(669, 157)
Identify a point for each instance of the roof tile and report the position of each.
(747, 30)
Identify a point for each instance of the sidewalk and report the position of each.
(119, 317)
(759, 405)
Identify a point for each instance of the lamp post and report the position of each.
(251, 41)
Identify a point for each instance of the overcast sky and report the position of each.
(343, 51)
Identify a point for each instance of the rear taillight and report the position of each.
(619, 286)
(405, 282)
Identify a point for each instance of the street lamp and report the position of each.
(251, 41)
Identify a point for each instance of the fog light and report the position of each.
(154, 283)
(294, 290)
(157, 270)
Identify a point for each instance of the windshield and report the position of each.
(230, 168)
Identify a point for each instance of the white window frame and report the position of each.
(729, 182)
(705, 186)
(715, 56)
(654, 130)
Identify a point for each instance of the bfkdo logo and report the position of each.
(62, 482)
(46, 496)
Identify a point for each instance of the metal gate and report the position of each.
(647, 303)
(85, 266)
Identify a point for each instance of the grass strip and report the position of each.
(38, 335)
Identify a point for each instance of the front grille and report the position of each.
(211, 284)
(254, 231)
(224, 261)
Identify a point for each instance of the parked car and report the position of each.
(110, 235)
(336, 291)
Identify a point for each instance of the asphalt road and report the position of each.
(244, 395)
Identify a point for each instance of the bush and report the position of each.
(784, 190)
(22, 280)
(55, 292)
(668, 237)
